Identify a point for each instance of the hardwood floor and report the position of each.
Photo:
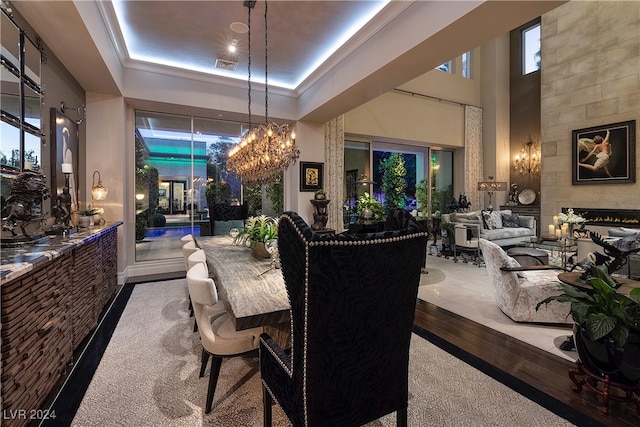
(544, 374)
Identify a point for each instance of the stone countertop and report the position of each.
(19, 260)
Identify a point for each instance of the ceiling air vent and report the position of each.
(223, 64)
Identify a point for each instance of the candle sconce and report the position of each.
(62, 208)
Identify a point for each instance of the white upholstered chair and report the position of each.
(518, 292)
(187, 238)
(217, 332)
(466, 242)
(187, 249)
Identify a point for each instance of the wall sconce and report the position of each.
(98, 192)
(528, 160)
(490, 187)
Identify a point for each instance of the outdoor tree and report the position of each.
(393, 181)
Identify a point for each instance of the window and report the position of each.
(446, 67)
(467, 65)
(441, 180)
(531, 49)
(180, 172)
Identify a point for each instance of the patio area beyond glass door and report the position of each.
(172, 197)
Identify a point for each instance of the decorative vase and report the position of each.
(320, 196)
(602, 357)
(258, 250)
(84, 221)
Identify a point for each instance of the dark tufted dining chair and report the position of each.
(353, 301)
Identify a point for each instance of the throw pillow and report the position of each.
(492, 220)
(510, 220)
(486, 216)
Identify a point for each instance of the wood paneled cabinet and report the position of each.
(46, 314)
(526, 210)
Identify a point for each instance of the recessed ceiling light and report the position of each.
(239, 27)
(233, 46)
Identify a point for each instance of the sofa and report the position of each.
(501, 227)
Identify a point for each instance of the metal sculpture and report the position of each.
(617, 252)
(28, 191)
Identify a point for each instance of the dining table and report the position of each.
(252, 290)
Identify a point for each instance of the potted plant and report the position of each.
(320, 194)
(607, 326)
(256, 233)
(369, 208)
(86, 216)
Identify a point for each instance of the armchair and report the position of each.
(353, 301)
(518, 289)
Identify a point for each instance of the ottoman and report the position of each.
(529, 256)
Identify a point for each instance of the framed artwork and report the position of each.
(604, 154)
(311, 176)
(64, 149)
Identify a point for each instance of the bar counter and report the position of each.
(19, 260)
(53, 296)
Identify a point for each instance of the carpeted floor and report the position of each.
(148, 376)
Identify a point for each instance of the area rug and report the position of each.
(148, 376)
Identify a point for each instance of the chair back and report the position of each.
(400, 219)
(187, 238)
(202, 289)
(504, 283)
(198, 257)
(464, 236)
(353, 301)
(187, 249)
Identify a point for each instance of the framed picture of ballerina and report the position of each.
(604, 154)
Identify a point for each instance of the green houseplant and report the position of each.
(607, 326)
(369, 208)
(86, 215)
(256, 233)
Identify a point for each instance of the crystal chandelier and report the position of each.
(528, 160)
(268, 149)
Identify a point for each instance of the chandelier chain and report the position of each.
(266, 150)
(266, 71)
(249, 64)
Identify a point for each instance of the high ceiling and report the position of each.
(193, 34)
(160, 54)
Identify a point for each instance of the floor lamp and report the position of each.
(490, 187)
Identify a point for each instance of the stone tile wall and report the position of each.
(590, 77)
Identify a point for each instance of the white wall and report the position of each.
(310, 140)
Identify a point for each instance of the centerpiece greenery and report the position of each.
(257, 231)
(89, 211)
(607, 322)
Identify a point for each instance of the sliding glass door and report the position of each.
(367, 163)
